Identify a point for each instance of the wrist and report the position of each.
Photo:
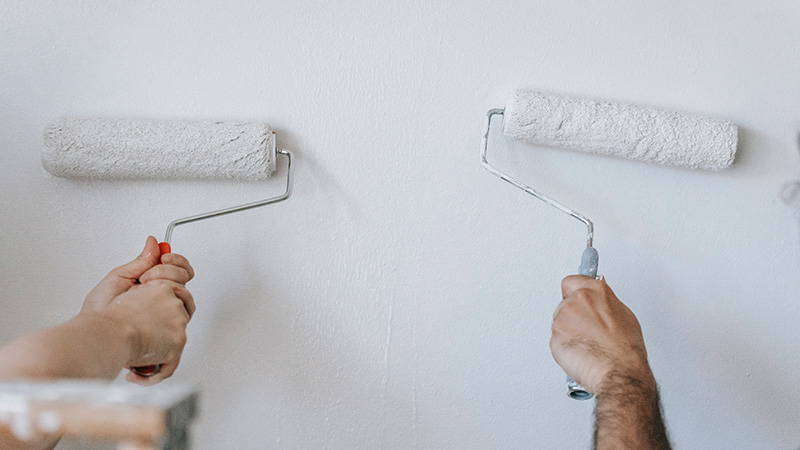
(637, 380)
(117, 335)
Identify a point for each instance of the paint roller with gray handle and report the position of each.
(613, 129)
(151, 149)
(618, 129)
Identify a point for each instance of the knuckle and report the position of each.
(177, 305)
(182, 339)
(567, 310)
(582, 295)
(169, 272)
(555, 345)
(598, 285)
(181, 274)
(149, 276)
(162, 286)
(179, 340)
(574, 278)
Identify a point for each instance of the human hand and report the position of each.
(141, 297)
(176, 268)
(595, 336)
(142, 269)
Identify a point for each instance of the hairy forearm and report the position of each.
(628, 414)
(88, 346)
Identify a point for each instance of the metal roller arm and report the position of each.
(221, 212)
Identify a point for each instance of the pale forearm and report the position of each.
(88, 346)
(628, 414)
(135, 316)
(9, 442)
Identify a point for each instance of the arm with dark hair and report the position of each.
(628, 413)
(598, 342)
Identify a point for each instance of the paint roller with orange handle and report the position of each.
(165, 149)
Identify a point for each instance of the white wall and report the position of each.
(402, 298)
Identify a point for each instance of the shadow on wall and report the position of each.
(791, 190)
(790, 194)
(314, 178)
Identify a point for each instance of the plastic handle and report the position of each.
(589, 260)
(588, 267)
(149, 371)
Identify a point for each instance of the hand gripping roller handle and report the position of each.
(149, 371)
(164, 247)
(589, 261)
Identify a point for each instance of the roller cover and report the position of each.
(629, 131)
(121, 149)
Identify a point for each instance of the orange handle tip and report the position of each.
(164, 247)
(146, 371)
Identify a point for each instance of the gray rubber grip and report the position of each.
(589, 261)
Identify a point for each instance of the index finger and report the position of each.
(176, 259)
(180, 292)
(186, 297)
(572, 283)
(558, 309)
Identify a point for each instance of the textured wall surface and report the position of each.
(403, 297)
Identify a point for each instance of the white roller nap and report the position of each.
(120, 149)
(624, 130)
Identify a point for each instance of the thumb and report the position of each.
(149, 257)
(126, 276)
